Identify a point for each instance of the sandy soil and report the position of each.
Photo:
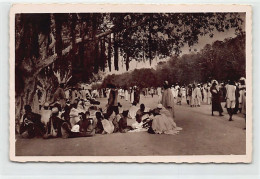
(202, 134)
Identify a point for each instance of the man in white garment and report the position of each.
(231, 98)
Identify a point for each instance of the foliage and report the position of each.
(85, 43)
(223, 60)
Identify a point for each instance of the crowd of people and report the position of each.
(77, 112)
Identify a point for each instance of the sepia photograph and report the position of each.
(130, 83)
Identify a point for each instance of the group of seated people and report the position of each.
(81, 119)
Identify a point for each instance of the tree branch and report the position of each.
(44, 63)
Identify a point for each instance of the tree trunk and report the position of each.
(103, 55)
(127, 62)
(115, 53)
(25, 96)
(109, 52)
(58, 45)
(96, 58)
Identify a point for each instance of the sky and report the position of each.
(203, 40)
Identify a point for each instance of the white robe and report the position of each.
(126, 95)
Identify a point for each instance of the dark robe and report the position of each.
(216, 100)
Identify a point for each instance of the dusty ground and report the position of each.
(202, 134)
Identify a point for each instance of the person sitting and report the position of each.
(59, 96)
(132, 111)
(74, 114)
(123, 122)
(163, 122)
(31, 124)
(66, 113)
(54, 125)
(99, 127)
(45, 114)
(140, 113)
(87, 125)
(132, 114)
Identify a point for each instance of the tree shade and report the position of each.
(85, 43)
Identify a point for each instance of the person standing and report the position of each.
(126, 94)
(204, 91)
(159, 92)
(168, 99)
(112, 105)
(136, 95)
(179, 96)
(131, 95)
(193, 96)
(107, 92)
(183, 91)
(243, 96)
(198, 95)
(188, 94)
(152, 92)
(231, 99)
(209, 94)
(216, 105)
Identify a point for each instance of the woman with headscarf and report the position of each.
(216, 105)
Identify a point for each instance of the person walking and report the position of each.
(216, 105)
(231, 99)
(168, 99)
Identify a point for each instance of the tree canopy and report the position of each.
(82, 44)
(222, 60)
(86, 42)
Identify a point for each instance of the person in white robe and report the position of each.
(167, 98)
(126, 95)
(198, 95)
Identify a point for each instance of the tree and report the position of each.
(85, 42)
(223, 60)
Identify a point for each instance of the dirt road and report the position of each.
(202, 134)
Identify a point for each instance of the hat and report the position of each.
(46, 104)
(54, 110)
(159, 106)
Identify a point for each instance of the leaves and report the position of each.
(80, 42)
(223, 60)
